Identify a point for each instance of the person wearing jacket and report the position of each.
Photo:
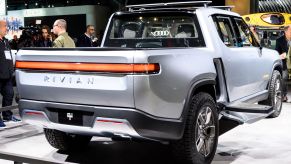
(282, 45)
(46, 38)
(63, 40)
(6, 73)
(85, 40)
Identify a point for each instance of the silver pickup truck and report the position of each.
(177, 76)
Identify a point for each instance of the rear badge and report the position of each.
(70, 116)
(59, 79)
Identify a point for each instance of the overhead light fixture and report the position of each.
(36, 4)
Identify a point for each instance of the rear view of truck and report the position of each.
(138, 85)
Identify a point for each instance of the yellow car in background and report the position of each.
(271, 20)
(269, 26)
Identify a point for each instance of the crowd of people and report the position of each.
(58, 38)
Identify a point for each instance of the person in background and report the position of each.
(46, 38)
(6, 72)
(256, 35)
(87, 39)
(282, 45)
(63, 40)
(35, 39)
(265, 41)
(14, 42)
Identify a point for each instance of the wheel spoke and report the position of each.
(205, 147)
(208, 146)
(208, 116)
(199, 144)
(201, 119)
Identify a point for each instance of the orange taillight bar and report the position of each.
(89, 67)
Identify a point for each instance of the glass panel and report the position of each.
(273, 19)
(245, 38)
(154, 31)
(227, 35)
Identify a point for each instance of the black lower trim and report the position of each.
(144, 124)
(226, 125)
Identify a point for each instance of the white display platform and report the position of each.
(267, 141)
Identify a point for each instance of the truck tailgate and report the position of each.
(75, 86)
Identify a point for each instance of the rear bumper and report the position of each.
(102, 121)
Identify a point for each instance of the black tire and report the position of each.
(64, 141)
(275, 94)
(186, 150)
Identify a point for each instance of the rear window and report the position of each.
(154, 30)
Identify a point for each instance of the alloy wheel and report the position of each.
(205, 131)
(278, 95)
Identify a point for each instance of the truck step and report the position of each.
(245, 112)
(241, 117)
(249, 108)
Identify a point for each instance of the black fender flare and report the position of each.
(209, 79)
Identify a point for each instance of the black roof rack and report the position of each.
(191, 5)
(223, 7)
(168, 5)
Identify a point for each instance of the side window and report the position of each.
(225, 30)
(245, 37)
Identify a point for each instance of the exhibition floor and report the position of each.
(264, 142)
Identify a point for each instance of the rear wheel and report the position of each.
(64, 141)
(199, 142)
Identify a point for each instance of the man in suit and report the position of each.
(85, 40)
(282, 46)
(6, 72)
